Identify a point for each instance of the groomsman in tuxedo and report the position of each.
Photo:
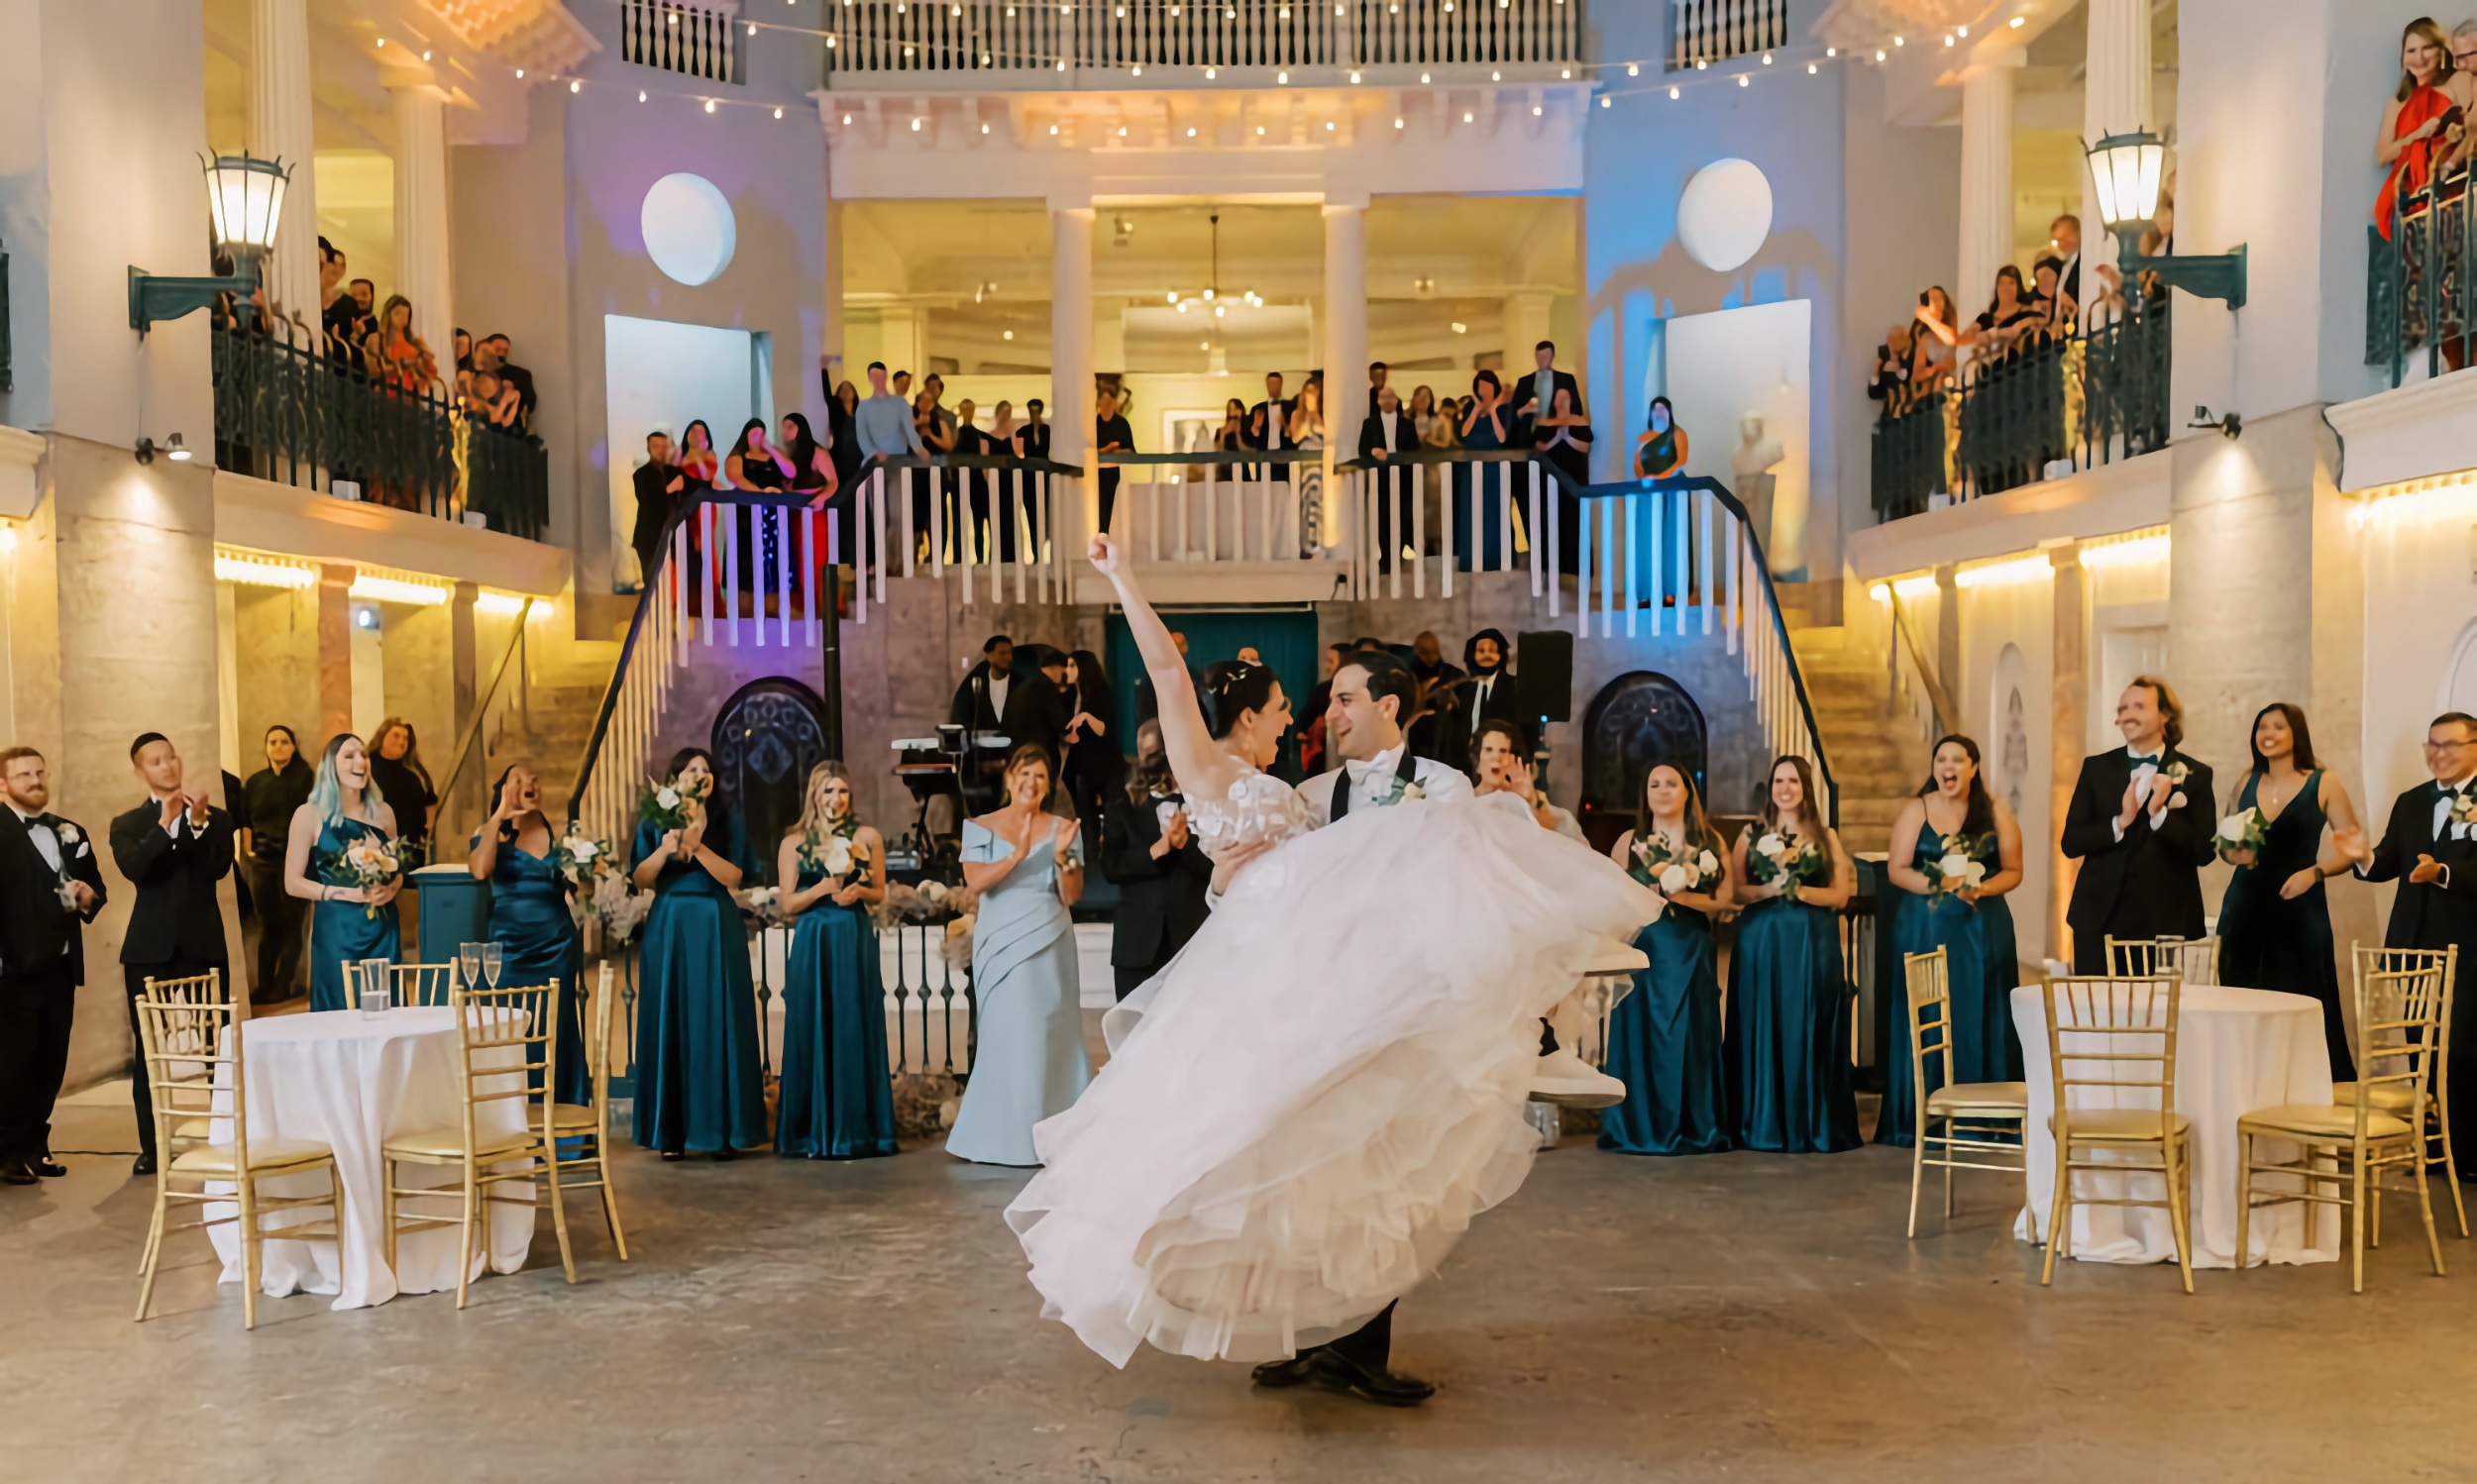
(173, 848)
(50, 887)
(2433, 857)
(2140, 823)
(1486, 695)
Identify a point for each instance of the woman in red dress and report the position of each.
(2421, 124)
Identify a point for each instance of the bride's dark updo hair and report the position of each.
(1232, 686)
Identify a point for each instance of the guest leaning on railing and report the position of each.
(517, 852)
(699, 1081)
(837, 1101)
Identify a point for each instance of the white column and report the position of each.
(1986, 182)
(279, 126)
(1070, 370)
(2116, 99)
(1526, 321)
(1346, 334)
(421, 255)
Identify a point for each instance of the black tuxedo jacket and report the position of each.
(1456, 727)
(1160, 901)
(2426, 914)
(1373, 434)
(2147, 884)
(1034, 711)
(33, 930)
(175, 915)
(1263, 419)
(1527, 405)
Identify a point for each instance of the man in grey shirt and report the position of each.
(884, 421)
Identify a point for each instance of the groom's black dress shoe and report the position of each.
(47, 1167)
(1334, 1371)
(1288, 1372)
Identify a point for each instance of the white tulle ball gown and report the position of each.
(1304, 1111)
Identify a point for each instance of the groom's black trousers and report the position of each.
(1370, 1345)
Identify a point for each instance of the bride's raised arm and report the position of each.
(1185, 739)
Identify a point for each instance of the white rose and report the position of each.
(1772, 845)
(2233, 828)
(1675, 879)
(67, 833)
(1705, 862)
(837, 855)
(1976, 874)
(585, 850)
(669, 798)
(1414, 790)
(1954, 865)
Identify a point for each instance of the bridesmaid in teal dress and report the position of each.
(838, 1094)
(1664, 1039)
(539, 944)
(2274, 923)
(1789, 1087)
(699, 1085)
(347, 922)
(1026, 866)
(1971, 924)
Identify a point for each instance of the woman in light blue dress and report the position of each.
(1026, 868)
(347, 922)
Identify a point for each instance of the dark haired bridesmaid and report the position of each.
(699, 1084)
(2275, 921)
(1787, 1022)
(1664, 1039)
(516, 851)
(1954, 853)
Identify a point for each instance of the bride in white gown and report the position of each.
(1327, 1084)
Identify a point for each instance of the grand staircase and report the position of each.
(1867, 740)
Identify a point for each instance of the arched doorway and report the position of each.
(1636, 721)
(766, 738)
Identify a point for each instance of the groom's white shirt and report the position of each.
(1371, 782)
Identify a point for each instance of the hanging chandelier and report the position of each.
(1213, 300)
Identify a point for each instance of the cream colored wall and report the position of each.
(1996, 617)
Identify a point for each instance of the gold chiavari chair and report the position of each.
(2436, 1149)
(1964, 1108)
(588, 1129)
(2400, 1028)
(2122, 1032)
(2191, 960)
(407, 984)
(189, 1037)
(500, 1045)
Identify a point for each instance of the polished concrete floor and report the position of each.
(1743, 1318)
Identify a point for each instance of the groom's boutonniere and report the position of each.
(1398, 789)
(2176, 772)
(66, 832)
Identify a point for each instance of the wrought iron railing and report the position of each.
(2417, 282)
(906, 35)
(694, 40)
(286, 413)
(2089, 398)
(1709, 31)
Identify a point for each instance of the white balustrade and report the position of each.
(1709, 31)
(906, 35)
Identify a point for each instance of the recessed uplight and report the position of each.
(1282, 77)
(640, 96)
(1810, 69)
(1191, 134)
(1766, 58)
(576, 86)
(1355, 76)
(1460, 329)
(1965, 32)
(1466, 118)
(1605, 100)
(1672, 92)
(2016, 22)
(1743, 79)
(915, 126)
(1397, 123)
(520, 74)
(1634, 70)
(425, 56)
(1009, 335)
(710, 109)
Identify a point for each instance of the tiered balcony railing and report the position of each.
(2061, 404)
(2417, 281)
(981, 36)
(288, 413)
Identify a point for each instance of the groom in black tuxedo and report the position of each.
(173, 848)
(2435, 863)
(50, 887)
(2140, 823)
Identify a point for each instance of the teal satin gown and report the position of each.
(1789, 1087)
(700, 1084)
(343, 930)
(837, 1092)
(2269, 942)
(539, 944)
(1028, 1052)
(1981, 963)
(1663, 1041)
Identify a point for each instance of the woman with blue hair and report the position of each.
(341, 857)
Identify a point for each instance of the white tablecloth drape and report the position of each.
(352, 1081)
(2236, 1051)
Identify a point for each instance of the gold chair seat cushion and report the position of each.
(2320, 1121)
(570, 1116)
(2119, 1122)
(1988, 1095)
(2397, 1096)
(449, 1143)
(264, 1155)
(198, 1129)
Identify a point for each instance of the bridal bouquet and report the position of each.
(2245, 829)
(764, 903)
(838, 852)
(1960, 864)
(1790, 861)
(621, 906)
(664, 805)
(369, 862)
(1673, 870)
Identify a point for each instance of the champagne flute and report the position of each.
(490, 962)
(468, 958)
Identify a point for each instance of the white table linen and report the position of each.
(2237, 1052)
(352, 1081)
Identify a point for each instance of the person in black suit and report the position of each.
(1486, 694)
(1162, 874)
(659, 484)
(1268, 426)
(2141, 823)
(1387, 434)
(1020, 704)
(50, 887)
(1111, 434)
(2434, 860)
(1536, 393)
(173, 848)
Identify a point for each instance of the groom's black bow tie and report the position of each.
(2152, 761)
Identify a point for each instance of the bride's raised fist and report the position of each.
(1105, 556)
